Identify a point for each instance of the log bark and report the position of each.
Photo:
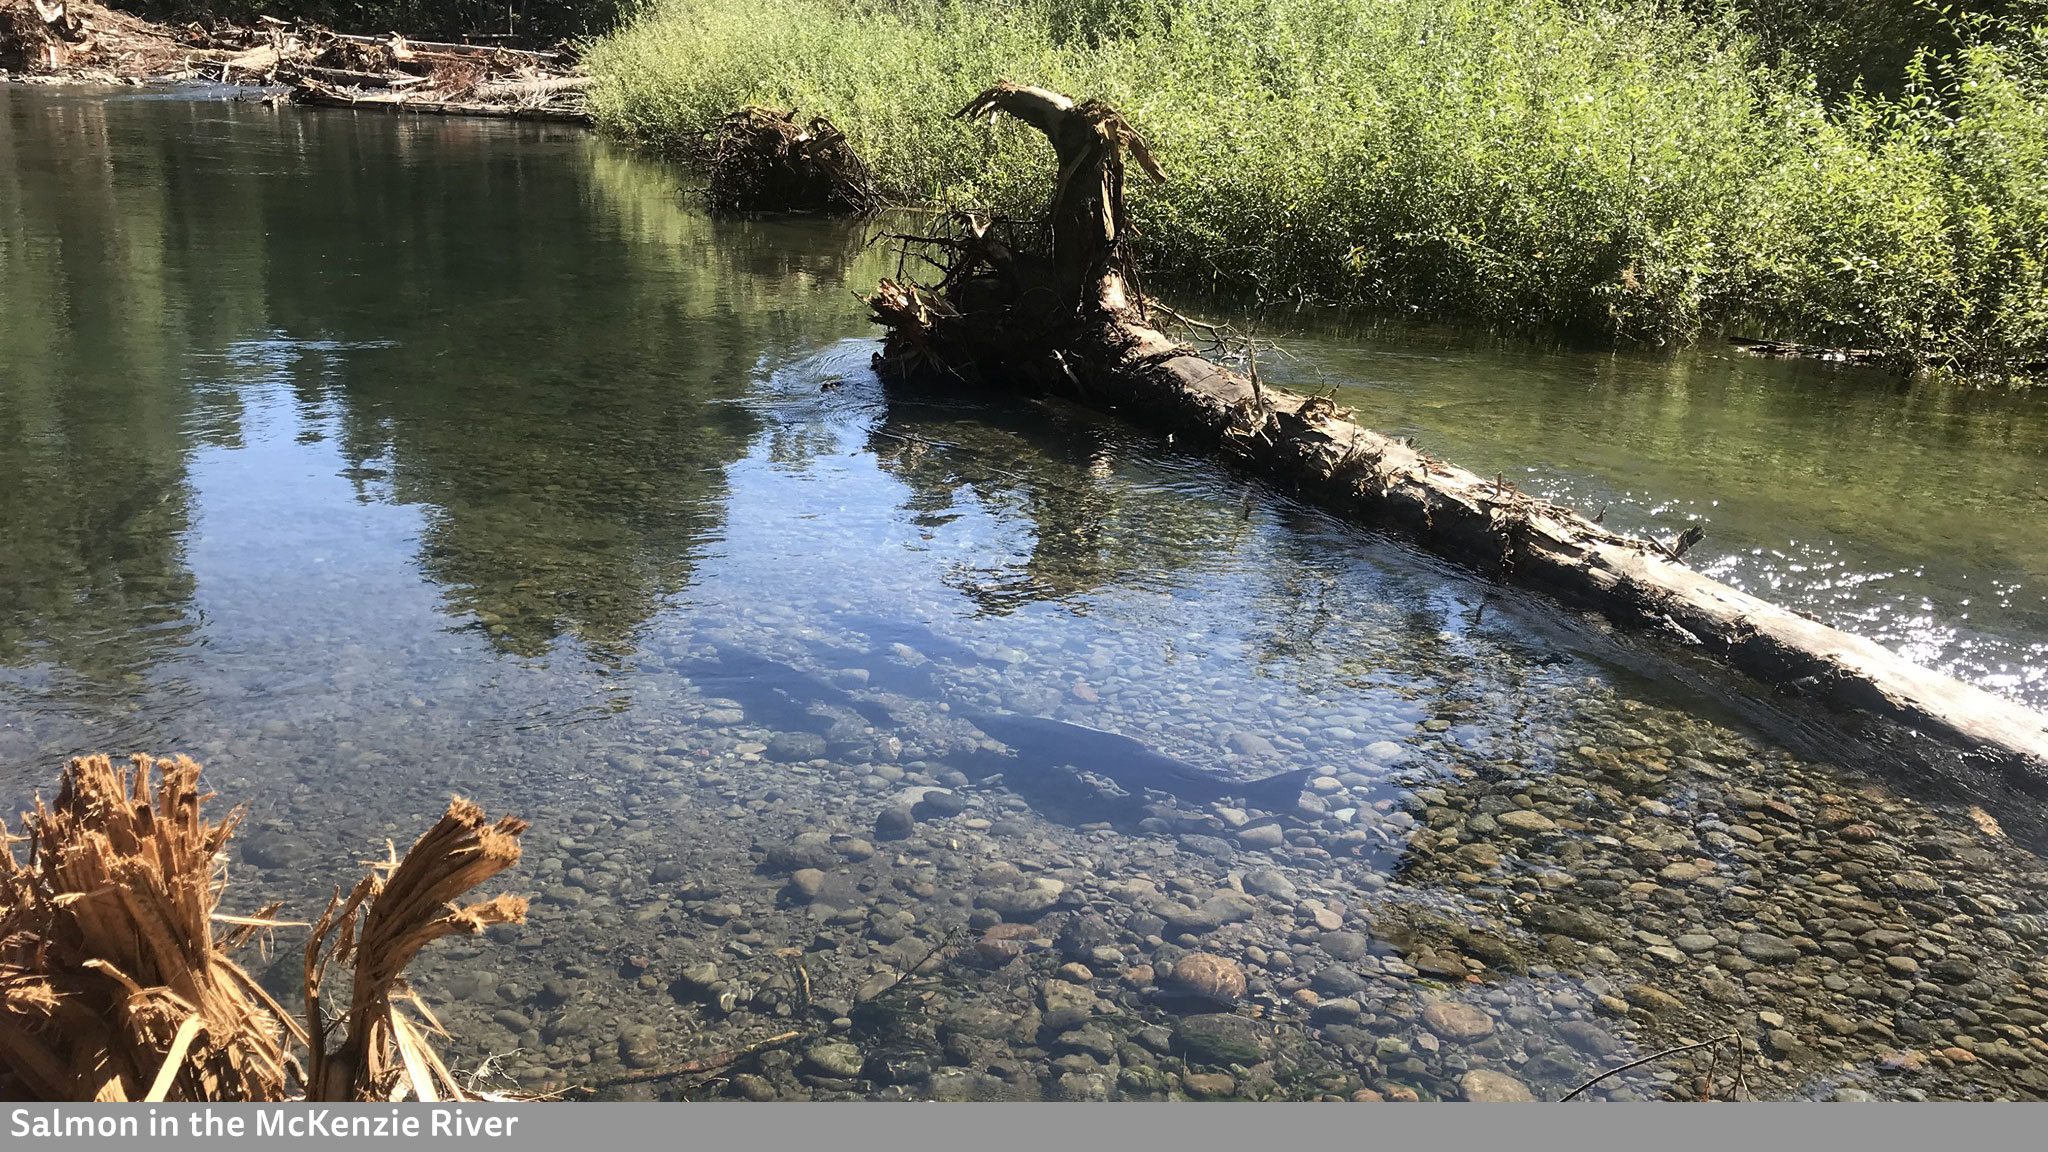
(536, 88)
(345, 77)
(443, 48)
(1070, 324)
(309, 91)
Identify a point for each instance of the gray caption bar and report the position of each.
(1032, 1127)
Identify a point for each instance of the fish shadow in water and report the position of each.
(776, 695)
(1059, 794)
(1050, 757)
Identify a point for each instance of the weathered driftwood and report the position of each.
(1055, 312)
(313, 92)
(436, 46)
(115, 987)
(394, 73)
(56, 38)
(355, 79)
(1791, 350)
(523, 88)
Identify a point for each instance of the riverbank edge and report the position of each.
(1638, 180)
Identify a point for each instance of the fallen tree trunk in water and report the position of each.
(1053, 309)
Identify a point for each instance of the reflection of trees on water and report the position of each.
(529, 332)
(1059, 475)
(548, 388)
(572, 431)
(95, 315)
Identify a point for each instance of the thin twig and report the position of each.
(712, 1063)
(938, 947)
(1732, 1036)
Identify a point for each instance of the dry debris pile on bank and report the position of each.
(1053, 307)
(80, 40)
(762, 160)
(114, 987)
(76, 40)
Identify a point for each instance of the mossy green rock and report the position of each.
(1220, 1039)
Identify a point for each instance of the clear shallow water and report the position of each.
(371, 459)
(1910, 512)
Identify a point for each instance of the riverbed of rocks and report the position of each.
(1459, 908)
(766, 818)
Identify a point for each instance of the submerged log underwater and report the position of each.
(1053, 308)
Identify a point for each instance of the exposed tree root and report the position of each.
(377, 931)
(112, 984)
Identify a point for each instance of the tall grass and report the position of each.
(1612, 172)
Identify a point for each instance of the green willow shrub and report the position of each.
(1612, 171)
(1917, 225)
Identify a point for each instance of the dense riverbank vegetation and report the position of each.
(1625, 173)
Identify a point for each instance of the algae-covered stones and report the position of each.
(1019, 904)
(1485, 1086)
(807, 850)
(1208, 977)
(1767, 949)
(1456, 1022)
(838, 1060)
(639, 1046)
(1210, 1085)
(1577, 923)
(895, 824)
(1270, 882)
(1337, 980)
(1655, 1000)
(1218, 1039)
(1526, 822)
(1066, 1005)
(806, 883)
(1262, 836)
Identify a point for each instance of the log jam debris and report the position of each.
(53, 41)
(1052, 307)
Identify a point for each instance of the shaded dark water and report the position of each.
(370, 460)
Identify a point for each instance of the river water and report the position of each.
(370, 460)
